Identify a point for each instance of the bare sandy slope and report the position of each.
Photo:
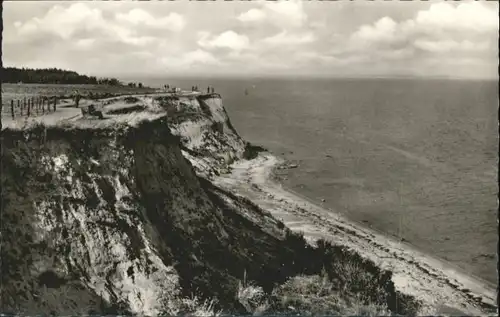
(442, 288)
(68, 114)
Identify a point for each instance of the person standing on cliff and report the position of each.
(213, 90)
(77, 98)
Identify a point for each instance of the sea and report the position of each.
(414, 158)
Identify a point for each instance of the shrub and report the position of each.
(252, 297)
(137, 108)
(195, 307)
(131, 99)
(251, 151)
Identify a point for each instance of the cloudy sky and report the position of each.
(255, 38)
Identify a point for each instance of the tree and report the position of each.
(51, 76)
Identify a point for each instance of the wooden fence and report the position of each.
(30, 107)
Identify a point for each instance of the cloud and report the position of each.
(469, 16)
(85, 43)
(384, 30)
(447, 46)
(285, 38)
(277, 28)
(287, 12)
(191, 59)
(68, 22)
(261, 37)
(252, 15)
(173, 22)
(63, 21)
(98, 39)
(200, 56)
(283, 14)
(228, 39)
(442, 28)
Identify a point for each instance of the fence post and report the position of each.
(43, 105)
(29, 108)
(24, 103)
(19, 106)
(55, 103)
(12, 108)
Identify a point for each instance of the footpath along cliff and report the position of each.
(121, 216)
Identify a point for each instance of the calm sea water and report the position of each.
(415, 158)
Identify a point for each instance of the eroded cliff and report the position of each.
(123, 218)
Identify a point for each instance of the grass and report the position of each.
(15, 91)
(317, 295)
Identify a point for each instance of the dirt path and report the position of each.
(440, 286)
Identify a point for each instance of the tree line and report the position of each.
(56, 76)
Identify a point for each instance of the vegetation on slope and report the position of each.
(213, 239)
(252, 151)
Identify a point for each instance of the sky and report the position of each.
(255, 38)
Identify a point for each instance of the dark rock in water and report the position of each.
(328, 155)
(488, 256)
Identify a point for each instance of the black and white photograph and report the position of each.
(249, 158)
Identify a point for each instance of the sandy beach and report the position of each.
(440, 286)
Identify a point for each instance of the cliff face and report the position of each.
(77, 193)
(116, 219)
(120, 216)
(208, 138)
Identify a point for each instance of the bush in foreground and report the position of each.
(347, 285)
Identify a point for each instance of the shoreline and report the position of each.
(441, 286)
(406, 243)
